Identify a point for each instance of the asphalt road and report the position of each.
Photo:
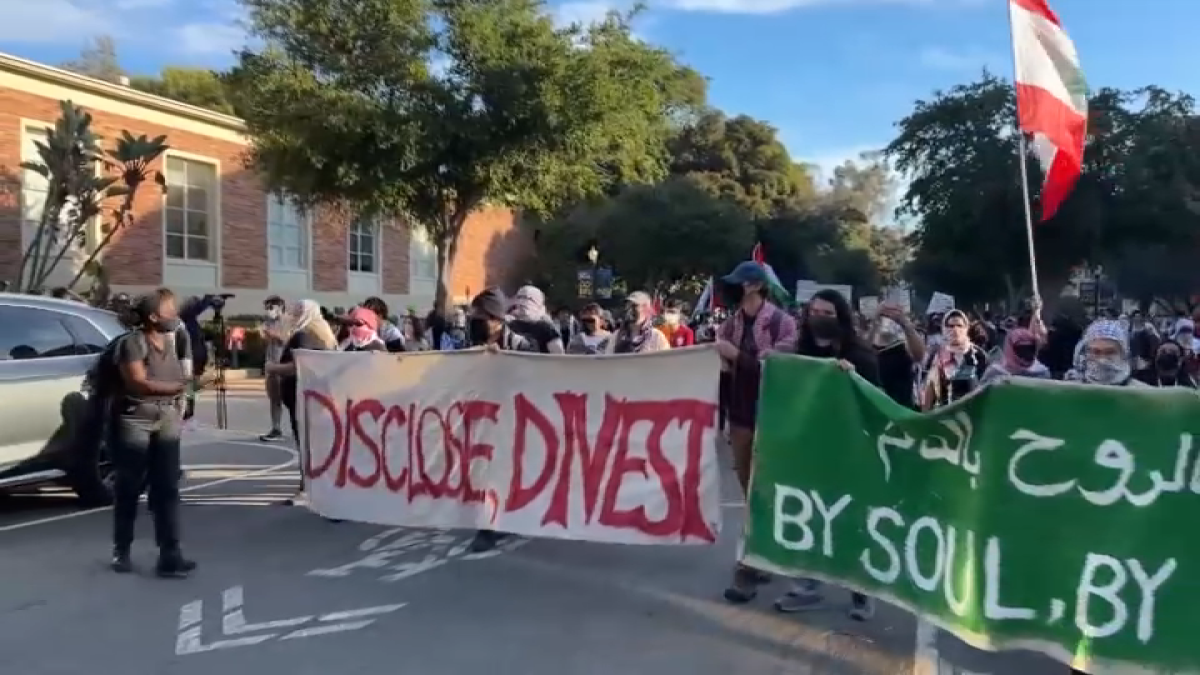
(280, 590)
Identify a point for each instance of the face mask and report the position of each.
(1167, 362)
(479, 330)
(166, 325)
(589, 326)
(631, 316)
(460, 320)
(1025, 353)
(361, 334)
(823, 327)
(733, 295)
(1106, 371)
(672, 318)
(273, 313)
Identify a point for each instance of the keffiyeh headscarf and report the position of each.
(529, 304)
(1188, 326)
(1106, 371)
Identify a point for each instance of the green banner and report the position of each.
(1040, 515)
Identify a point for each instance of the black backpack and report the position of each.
(104, 377)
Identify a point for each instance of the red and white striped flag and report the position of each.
(1051, 97)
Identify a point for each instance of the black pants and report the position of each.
(288, 398)
(146, 454)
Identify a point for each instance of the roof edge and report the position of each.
(39, 71)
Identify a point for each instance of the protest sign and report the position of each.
(940, 303)
(1034, 514)
(868, 306)
(616, 449)
(899, 296)
(807, 288)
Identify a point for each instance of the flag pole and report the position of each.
(1022, 159)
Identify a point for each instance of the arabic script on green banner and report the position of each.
(1040, 515)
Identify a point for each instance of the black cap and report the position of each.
(491, 302)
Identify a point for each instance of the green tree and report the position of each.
(98, 59)
(344, 108)
(960, 152)
(742, 159)
(200, 87)
(661, 238)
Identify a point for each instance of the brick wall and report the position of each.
(492, 250)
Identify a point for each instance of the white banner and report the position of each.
(612, 449)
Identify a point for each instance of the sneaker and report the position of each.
(862, 608)
(804, 597)
(174, 566)
(744, 587)
(485, 540)
(271, 436)
(121, 562)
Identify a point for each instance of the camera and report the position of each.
(218, 301)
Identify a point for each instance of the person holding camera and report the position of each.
(189, 315)
(275, 337)
(144, 432)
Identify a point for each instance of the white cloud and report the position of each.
(777, 6)
(940, 58)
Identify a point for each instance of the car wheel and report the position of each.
(92, 477)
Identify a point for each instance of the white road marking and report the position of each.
(926, 660)
(190, 640)
(190, 488)
(326, 630)
(234, 621)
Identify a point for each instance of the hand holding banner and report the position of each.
(617, 449)
(1033, 514)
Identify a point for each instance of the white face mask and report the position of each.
(672, 318)
(274, 312)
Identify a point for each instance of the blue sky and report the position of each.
(832, 75)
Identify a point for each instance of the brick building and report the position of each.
(216, 229)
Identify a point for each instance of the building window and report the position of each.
(422, 255)
(287, 235)
(34, 186)
(189, 217)
(363, 247)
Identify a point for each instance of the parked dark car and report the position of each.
(47, 346)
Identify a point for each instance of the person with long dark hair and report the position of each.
(827, 331)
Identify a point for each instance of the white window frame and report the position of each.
(283, 213)
(354, 236)
(30, 128)
(213, 220)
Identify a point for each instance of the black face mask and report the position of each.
(823, 327)
(732, 294)
(478, 331)
(1167, 362)
(166, 325)
(1025, 352)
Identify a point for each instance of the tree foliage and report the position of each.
(425, 109)
(98, 59)
(960, 151)
(200, 87)
(741, 159)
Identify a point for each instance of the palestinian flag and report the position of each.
(775, 290)
(1051, 97)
